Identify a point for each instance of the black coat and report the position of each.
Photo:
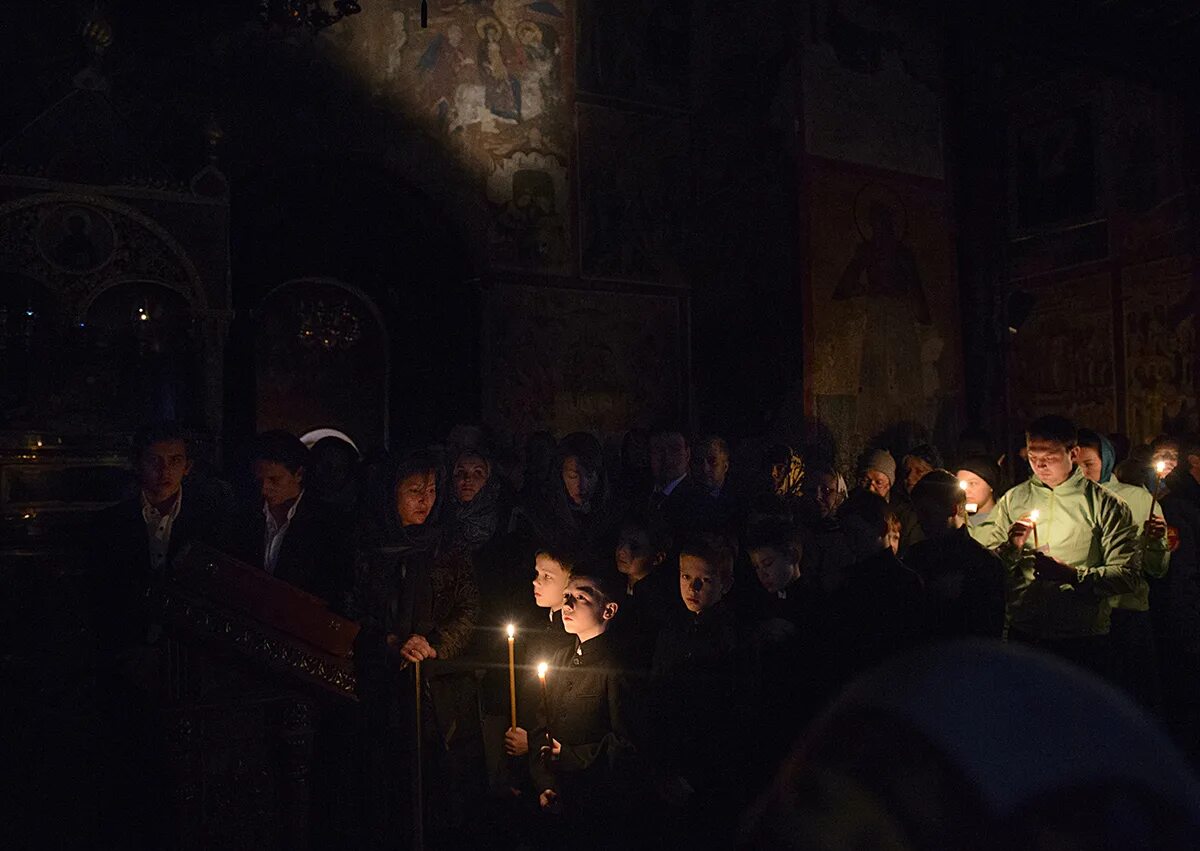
(964, 586)
(592, 711)
(315, 554)
(119, 561)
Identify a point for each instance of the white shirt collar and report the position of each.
(666, 491)
(151, 514)
(291, 513)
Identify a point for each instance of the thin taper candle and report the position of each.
(1033, 519)
(512, 675)
(1160, 470)
(541, 672)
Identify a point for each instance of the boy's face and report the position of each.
(549, 583)
(776, 570)
(699, 584)
(633, 554)
(585, 614)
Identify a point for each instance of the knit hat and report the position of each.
(985, 468)
(882, 461)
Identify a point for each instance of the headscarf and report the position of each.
(1108, 458)
(475, 523)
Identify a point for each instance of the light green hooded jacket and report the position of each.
(1082, 525)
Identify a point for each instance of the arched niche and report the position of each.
(32, 362)
(322, 361)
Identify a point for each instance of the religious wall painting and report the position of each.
(635, 51)
(1160, 348)
(635, 189)
(883, 303)
(529, 193)
(1054, 179)
(490, 80)
(872, 88)
(569, 360)
(75, 238)
(1062, 357)
(1054, 250)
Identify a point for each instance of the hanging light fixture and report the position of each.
(313, 14)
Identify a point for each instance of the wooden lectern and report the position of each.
(251, 664)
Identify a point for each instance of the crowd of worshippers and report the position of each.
(693, 621)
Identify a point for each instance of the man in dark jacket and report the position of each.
(964, 582)
(292, 536)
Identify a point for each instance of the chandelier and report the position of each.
(314, 14)
(328, 325)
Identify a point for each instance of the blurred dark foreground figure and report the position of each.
(980, 745)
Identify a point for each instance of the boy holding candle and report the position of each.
(585, 770)
(1059, 597)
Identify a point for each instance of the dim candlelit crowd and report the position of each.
(695, 616)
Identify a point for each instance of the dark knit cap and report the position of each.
(983, 467)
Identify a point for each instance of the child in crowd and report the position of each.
(583, 765)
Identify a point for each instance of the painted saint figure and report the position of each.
(502, 91)
(884, 273)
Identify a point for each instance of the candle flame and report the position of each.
(542, 668)
(1034, 515)
(962, 483)
(512, 631)
(1161, 467)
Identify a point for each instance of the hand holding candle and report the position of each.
(1033, 521)
(512, 676)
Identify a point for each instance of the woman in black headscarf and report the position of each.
(579, 508)
(416, 600)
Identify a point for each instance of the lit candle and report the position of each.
(512, 675)
(1033, 519)
(541, 671)
(1160, 471)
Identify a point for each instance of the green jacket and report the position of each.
(1152, 554)
(1082, 525)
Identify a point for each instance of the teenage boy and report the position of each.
(583, 765)
(691, 698)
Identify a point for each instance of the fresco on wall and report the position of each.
(1160, 348)
(871, 88)
(491, 80)
(567, 360)
(1062, 359)
(1054, 170)
(634, 191)
(882, 263)
(634, 50)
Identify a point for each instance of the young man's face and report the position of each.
(776, 570)
(713, 467)
(1089, 462)
(877, 483)
(699, 584)
(549, 582)
(669, 457)
(277, 484)
(915, 470)
(161, 469)
(1050, 461)
(579, 481)
(470, 475)
(415, 496)
(634, 554)
(585, 614)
